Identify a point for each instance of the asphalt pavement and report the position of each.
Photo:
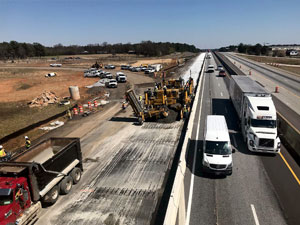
(261, 190)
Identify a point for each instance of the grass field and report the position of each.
(295, 70)
(17, 115)
(269, 59)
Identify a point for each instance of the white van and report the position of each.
(217, 152)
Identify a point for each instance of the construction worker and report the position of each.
(140, 98)
(124, 105)
(27, 142)
(69, 114)
(185, 111)
(2, 152)
(165, 90)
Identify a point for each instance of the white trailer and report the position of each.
(257, 113)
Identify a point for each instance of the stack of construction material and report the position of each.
(47, 97)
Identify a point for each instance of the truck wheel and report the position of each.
(76, 175)
(140, 121)
(66, 185)
(51, 197)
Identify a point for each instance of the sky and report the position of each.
(203, 23)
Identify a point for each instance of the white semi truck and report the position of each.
(257, 113)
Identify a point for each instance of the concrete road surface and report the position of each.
(261, 190)
(269, 77)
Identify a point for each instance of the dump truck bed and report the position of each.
(45, 163)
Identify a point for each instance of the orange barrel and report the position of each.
(80, 109)
(75, 111)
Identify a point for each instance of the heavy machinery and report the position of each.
(168, 95)
(155, 111)
(37, 176)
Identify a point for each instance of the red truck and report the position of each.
(37, 177)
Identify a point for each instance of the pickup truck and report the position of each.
(112, 83)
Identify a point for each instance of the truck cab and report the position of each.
(259, 125)
(14, 199)
(217, 151)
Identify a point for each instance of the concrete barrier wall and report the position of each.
(176, 205)
(288, 133)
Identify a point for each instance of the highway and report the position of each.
(270, 77)
(261, 190)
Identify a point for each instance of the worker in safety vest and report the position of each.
(185, 111)
(27, 142)
(2, 152)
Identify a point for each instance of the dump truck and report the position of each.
(36, 177)
(257, 113)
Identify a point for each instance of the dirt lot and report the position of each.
(24, 80)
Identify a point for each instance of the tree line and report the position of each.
(16, 50)
(257, 49)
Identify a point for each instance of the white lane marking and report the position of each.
(218, 84)
(188, 213)
(221, 93)
(254, 215)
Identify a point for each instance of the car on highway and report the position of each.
(217, 152)
(222, 73)
(220, 67)
(112, 83)
(210, 69)
(109, 66)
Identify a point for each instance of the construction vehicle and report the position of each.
(168, 95)
(155, 111)
(36, 177)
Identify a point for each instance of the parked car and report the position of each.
(121, 77)
(109, 66)
(149, 70)
(125, 67)
(112, 83)
(222, 73)
(50, 75)
(136, 69)
(55, 65)
(109, 76)
(104, 74)
(220, 68)
(210, 69)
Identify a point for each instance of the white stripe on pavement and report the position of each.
(254, 215)
(188, 216)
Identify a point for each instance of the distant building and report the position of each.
(284, 47)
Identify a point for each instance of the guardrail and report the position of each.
(177, 192)
(289, 135)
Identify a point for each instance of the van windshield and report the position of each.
(217, 148)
